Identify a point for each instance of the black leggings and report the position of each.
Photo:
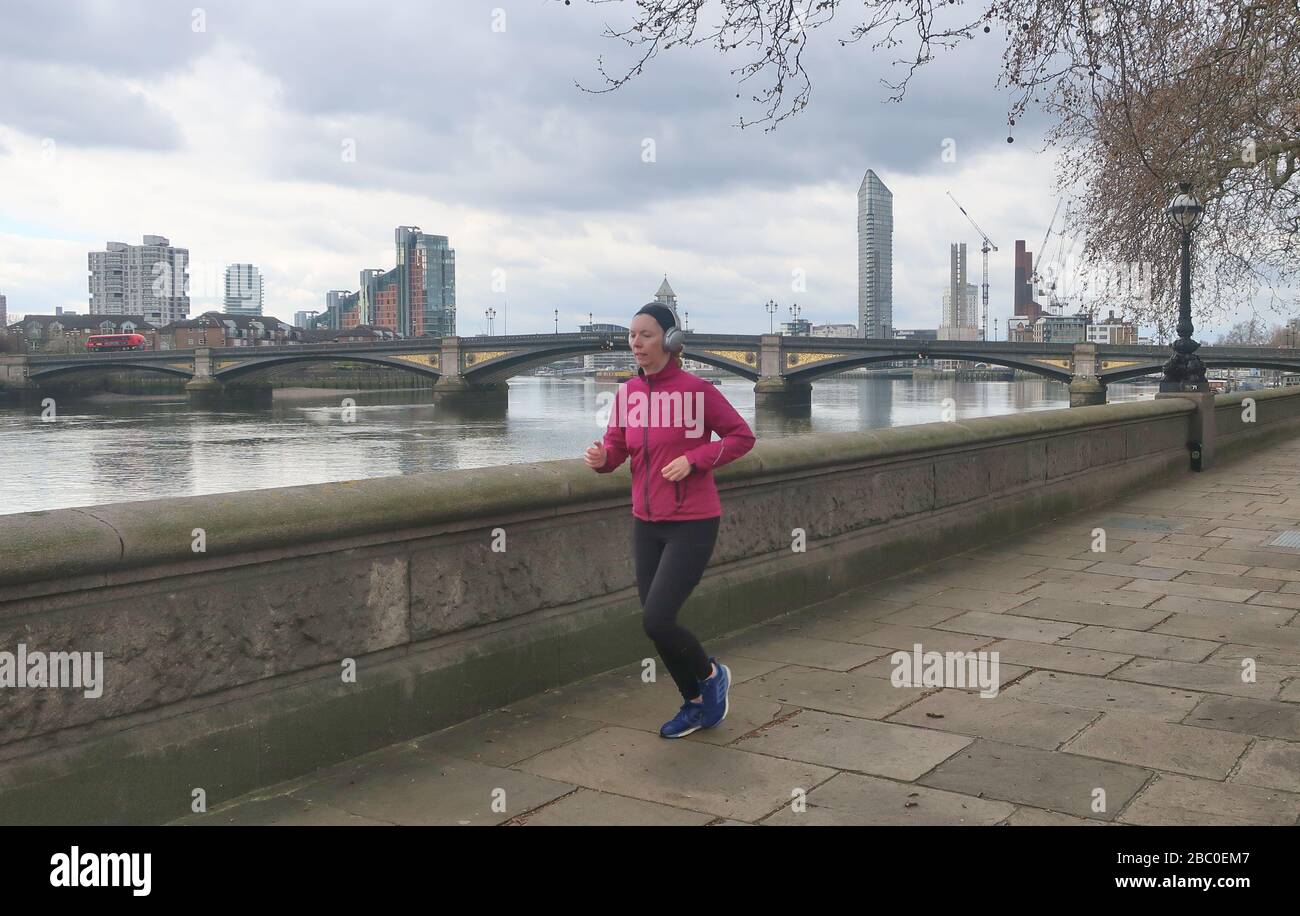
(670, 559)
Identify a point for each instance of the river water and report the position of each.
(111, 448)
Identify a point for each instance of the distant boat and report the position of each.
(610, 374)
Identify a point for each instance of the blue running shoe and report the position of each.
(688, 719)
(713, 692)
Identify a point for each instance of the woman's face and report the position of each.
(646, 340)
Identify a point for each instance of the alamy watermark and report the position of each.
(657, 409)
(77, 670)
(945, 669)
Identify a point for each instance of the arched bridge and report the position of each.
(782, 367)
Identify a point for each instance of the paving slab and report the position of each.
(1281, 599)
(1071, 592)
(1250, 717)
(1265, 586)
(1135, 553)
(586, 808)
(857, 745)
(1270, 764)
(1011, 552)
(1052, 780)
(974, 599)
(1232, 654)
(922, 615)
(774, 644)
(278, 811)
(894, 590)
(1274, 559)
(1148, 742)
(1090, 613)
(999, 718)
(1149, 644)
(409, 786)
(505, 736)
(1198, 596)
(680, 772)
(630, 703)
(1133, 570)
(1184, 800)
(1084, 581)
(851, 693)
(1205, 678)
(1103, 694)
(1008, 626)
(849, 799)
(1025, 816)
(930, 639)
(1057, 657)
(1188, 564)
(1195, 626)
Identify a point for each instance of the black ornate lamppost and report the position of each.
(557, 321)
(771, 312)
(1184, 371)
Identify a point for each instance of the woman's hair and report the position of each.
(660, 313)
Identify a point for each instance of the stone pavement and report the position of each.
(1157, 682)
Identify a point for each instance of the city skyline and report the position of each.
(550, 190)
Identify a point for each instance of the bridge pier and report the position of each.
(781, 392)
(209, 393)
(204, 392)
(456, 389)
(15, 386)
(1086, 389)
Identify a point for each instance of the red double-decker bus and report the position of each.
(98, 342)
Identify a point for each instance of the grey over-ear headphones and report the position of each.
(674, 337)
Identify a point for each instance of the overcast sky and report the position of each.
(120, 119)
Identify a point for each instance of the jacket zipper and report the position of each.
(645, 443)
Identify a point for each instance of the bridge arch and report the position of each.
(256, 365)
(510, 365)
(1232, 362)
(826, 367)
(37, 374)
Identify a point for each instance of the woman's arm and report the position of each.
(722, 418)
(615, 438)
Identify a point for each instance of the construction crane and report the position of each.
(986, 248)
(1036, 278)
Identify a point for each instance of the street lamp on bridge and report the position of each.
(1184, 371)
(557, 321)
(490, 314)
(771, 311)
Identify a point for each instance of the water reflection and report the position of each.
(109, 449)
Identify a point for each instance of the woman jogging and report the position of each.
(664, 419)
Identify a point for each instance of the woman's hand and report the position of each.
(595, 456)
(678, 468)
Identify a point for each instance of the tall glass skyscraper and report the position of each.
(875, 258)
(244, 290)
(426, 296)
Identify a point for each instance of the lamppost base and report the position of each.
(1201, 430)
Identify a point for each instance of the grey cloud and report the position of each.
(80, 108)
(433, 92)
